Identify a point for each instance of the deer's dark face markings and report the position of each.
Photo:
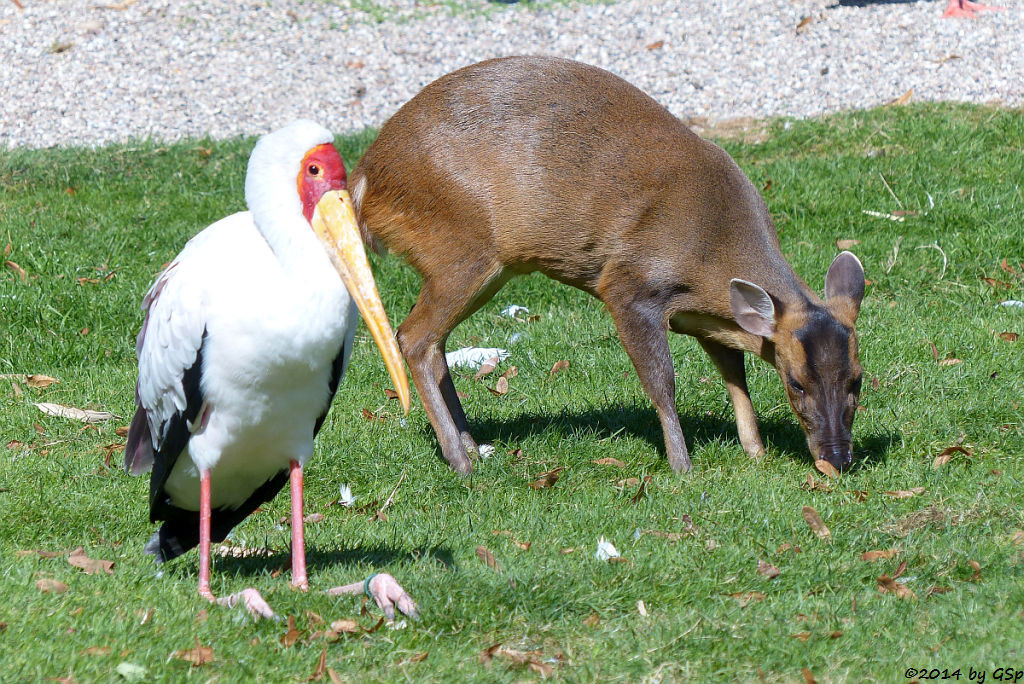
(822, 374)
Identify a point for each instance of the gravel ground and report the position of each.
(76, 72)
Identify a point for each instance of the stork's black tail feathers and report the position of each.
(165, 544)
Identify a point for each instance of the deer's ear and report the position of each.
(844, 286)
(752, 308)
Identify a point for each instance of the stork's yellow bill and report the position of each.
(334, 222)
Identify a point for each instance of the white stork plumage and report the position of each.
(246, 335)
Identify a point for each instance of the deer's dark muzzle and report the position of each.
(839, 455)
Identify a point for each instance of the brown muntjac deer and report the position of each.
(528, 164)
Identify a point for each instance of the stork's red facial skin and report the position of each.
(322, 170)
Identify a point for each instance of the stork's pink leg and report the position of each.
(298, 536)
(204, 536)
(252, 599)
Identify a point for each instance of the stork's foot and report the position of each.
(385, 591)
(250, 598)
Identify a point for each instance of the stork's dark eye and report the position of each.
(314, 170)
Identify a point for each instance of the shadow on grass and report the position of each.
(785, 436)
(280, 560)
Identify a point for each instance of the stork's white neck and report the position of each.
(291, 238)
(271, 191)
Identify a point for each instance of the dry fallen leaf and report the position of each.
(51, 586)
(486, 367)
(808, 676)
(905, 493)
(18, 270)
(91, 566)
(872, 556)
(767, 569)
(904, 98)
(826, 468)
(371, 416)
(801, 636)
(84, 415)
(529, 659)
(641, 608)
(641, 491)
(1009, 336)
(937, 590)
(846, 244)
(947, 453)
(415, 658)
(545, 480)
(746, 597)
(321, 668)
(950, 361)
(592, 620)
(671, 536)
(558, 367)
(485, 555)
(810, 484)
(487, 655)
(41, 553)
(500, 388)
(998, 283)
(345, 627)
(656, 45)
(610, 461)
(1002, 264)
(1017, 538)
(817, 524)
(887, 585)
(390, 393)
(976, 566)
(200, 655)
(900, 569)
(39, 381)
(804, 23)
(291, 636)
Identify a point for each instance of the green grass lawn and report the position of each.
(87, 229)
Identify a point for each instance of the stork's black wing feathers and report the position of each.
(337, 370)
(174, 435)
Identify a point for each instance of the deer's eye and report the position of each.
(796, 386)
(855, 385)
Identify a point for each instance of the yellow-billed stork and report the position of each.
(246, 335)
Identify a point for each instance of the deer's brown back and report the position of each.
(536, 163)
